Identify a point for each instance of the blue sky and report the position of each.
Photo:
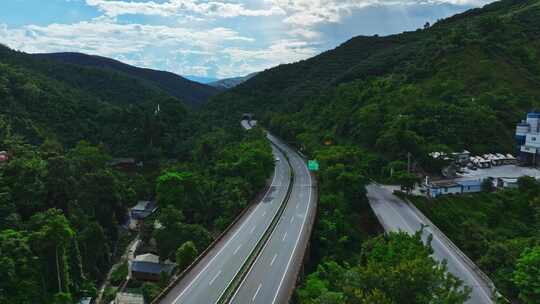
(212, 38)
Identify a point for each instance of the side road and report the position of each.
(394, 214)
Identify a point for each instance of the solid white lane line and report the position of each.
(256, 292)
(273, 259)
(214, 278)
(252, 229)
(237, 248)
(226, 244)
(253, 265)
(284, 236)
(297, 239)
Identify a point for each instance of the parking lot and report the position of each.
(508, 171)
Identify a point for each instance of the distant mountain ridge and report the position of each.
(480, 66)
(229, 83)
(201, 79)
(191, 92)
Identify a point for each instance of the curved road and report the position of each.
(206, 282)
(272, 277)
(395, 214)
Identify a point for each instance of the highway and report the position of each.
(272, 276)
(207, 281)
(395, 214)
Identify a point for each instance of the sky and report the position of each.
(209, 38)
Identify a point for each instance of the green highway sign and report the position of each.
(313, 165)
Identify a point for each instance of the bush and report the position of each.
(119, 274)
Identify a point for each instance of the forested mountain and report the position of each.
(44, 99)
(191, 92)
(462, 83)
(229, 83)
(201, 79)
(412, 92)
(64, 206)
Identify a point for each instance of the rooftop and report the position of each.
(141, 206)
(147, 257)
(444, 183)
(128, 298)
(151, 267)
(470, 182)
(86, 300)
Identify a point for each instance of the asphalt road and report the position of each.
(394, 214)
(207, 281)
(272, 277)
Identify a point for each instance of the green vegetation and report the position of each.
(350, 266)
(393, 269)
(527, 274)
(498, 231)
(359, 110)
(185, 255)
(193, 93)
(62, 204)
(42, 100)
(119, 274)
(201, 198)
(462, 83)
(58, 225)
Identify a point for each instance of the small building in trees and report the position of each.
(123, 163)
(148, 267)
(128, 298)
(507, 182)
(85, 300)
(446, 187)
(143, 209)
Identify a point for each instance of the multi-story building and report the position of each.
(528, 139)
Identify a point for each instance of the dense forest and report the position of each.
(350, 263)
(461, 83)
(500, 231)
(43, 100)
(193, 93)
(63, 205)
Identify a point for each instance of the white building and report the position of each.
(528, 139)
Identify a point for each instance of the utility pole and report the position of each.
(409, 162)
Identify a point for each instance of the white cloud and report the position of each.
(109, 39)
(308, 13)
(207, 37)
(245, 61)
(180, 7)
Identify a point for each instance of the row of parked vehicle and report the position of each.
(491, 160)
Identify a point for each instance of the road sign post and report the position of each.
(313, 165)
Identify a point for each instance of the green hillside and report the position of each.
(462, 83)
(193, 93)
(64, 207)
(43, 99)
